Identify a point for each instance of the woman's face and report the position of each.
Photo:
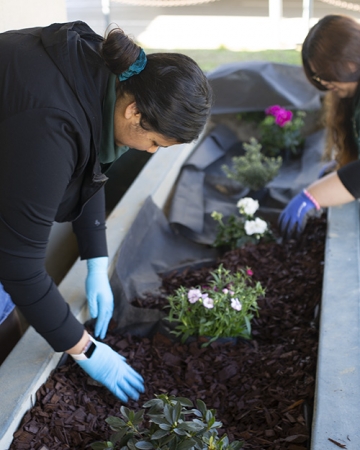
(128, 131)
(340, 88)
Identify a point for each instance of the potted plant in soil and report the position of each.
(242, 229)
(223, 308)
(171, 423)
(254, 169)
(281, 132)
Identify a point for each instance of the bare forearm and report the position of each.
(78, 348)
(329, 191)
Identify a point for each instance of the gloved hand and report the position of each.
(110, 369)
(293, 218)
(99, 294)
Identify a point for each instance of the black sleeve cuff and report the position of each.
(350, 177)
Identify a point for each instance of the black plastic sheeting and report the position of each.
(256, 85)
(203, 187)
(158, 244)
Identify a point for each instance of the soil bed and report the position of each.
(262, 390)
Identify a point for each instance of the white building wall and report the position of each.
(16, 14)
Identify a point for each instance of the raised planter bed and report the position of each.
(262, 389)
(336, 413)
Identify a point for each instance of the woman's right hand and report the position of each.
(293, 218)
(110, 369)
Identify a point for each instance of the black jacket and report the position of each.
(52, 86)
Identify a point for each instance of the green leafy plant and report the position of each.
(243, 229)
(170, 423)
(281, 129)
(223, 308)
(253, 170)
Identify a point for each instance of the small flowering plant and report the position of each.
(223, 308)
(281, 130)
(242, 229)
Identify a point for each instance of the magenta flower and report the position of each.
(282, 115)
(273, 110)
(249, 272)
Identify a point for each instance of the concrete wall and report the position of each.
(16, 14)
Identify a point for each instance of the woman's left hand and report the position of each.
(99, 294)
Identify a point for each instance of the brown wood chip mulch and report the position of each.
(262, 390)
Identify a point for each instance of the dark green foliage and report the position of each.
(170, 423)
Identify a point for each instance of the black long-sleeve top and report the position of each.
(52, 86)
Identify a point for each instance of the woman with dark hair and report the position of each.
(331, 61)
(71, 104)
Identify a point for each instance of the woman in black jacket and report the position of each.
(71, 103)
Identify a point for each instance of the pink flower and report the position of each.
(249, 272)
(194, 295)
(273, 110)
(208, 302)
(282, 115)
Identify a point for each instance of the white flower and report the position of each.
(194, 295)
(208, 302)
(236, 304)
(257, 226)
(248, 206)
(225, 291)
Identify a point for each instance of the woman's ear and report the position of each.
(131, 111)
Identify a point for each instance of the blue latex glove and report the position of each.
(99, 294)
(293, 218)
(110, 369)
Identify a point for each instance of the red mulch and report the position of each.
(262, 390)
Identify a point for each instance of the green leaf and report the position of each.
(143, 445)
(185, 401)
(115, 423)
(180, 432)
(192, 426)
(168, 414)
(125, 412)
(158, 419)
(138, 417)
(119, 435)
(101, 445)
(248, 325)
(159, 434)
(186, 445)
(131, 444)
(176, 412)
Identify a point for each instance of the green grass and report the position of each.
(211, 59)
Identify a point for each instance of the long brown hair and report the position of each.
(332, 48)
